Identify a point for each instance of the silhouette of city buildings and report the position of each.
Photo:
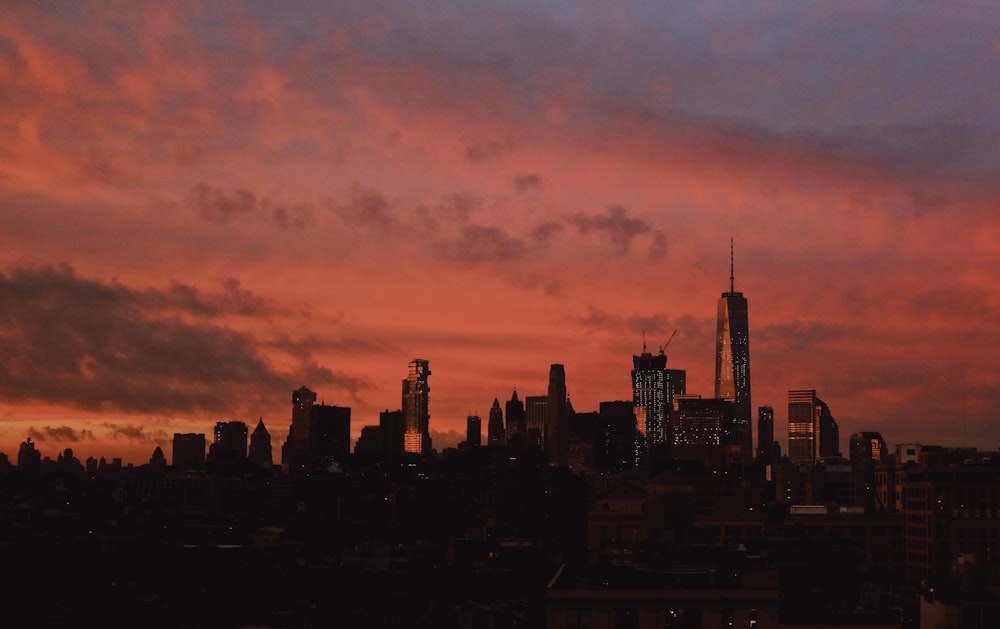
(558, 518)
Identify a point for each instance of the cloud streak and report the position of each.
(101, 346)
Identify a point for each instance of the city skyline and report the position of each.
(203, 208)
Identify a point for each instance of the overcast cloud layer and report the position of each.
(205, 206)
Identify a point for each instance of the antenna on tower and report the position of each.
(731, 280)
(643, 341)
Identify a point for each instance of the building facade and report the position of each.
(649, 396)
(416, 407)
(812, 431)
(495, 431)
(557, 418)
(732, 363)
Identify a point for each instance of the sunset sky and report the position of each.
(204, 206)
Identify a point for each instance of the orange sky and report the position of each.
(205, 207)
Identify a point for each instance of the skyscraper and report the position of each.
(732, 362)
(260, 445)
(494, 430)
(517, 429)
(473, 430)
(535, 415)
(649, 397)
(302, 403)
(812, 431)
(329, 435)
(557, 418)
(417, 438)
(393, 428)
(765, 434)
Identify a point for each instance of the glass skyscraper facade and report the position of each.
(649, 396)
(732, 364)
(812, 431)
(416, 391)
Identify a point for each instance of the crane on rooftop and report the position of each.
(663, 348)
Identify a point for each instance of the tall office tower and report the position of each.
(648, 395)
(302, 403)
(765, 434)
(812, 431)
(329, 435)
(260, 445)
(557, 418)
(494, 431)
(474, 430)
(417, 438)
(517, 428)
(393, 425)
(732, 361)
(294, 451)
(535, 414)
(189, 452)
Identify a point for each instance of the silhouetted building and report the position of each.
(370, 443)
(732, 363)
(812, 431)
(294, 451)
(29, 460)
(229, 446)
(535, 414)
(302, 403)
(157, 461)
(189, 452)
(329, 436)
(868, 449)
(648, 396)
(473, 430)
(557, 418)
(260, 445)
(517, 429)
(393, 425)
(699, 430)
(766, 446)
(674, 383)
(416, 407)
(494, 430)
(950, 511)
(616, 437)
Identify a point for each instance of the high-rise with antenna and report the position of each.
(732, 361)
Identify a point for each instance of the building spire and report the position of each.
(732, 288)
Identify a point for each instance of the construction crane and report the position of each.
(663, 348)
